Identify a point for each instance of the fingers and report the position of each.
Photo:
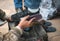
(26, 17)
(31, 20)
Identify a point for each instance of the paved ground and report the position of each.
(55, 36)
(8, 7)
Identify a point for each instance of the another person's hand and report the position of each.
(25, 23)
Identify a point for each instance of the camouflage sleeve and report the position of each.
(13, 35)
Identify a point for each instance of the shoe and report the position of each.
(50, 29)
(50, 17)
(18, 10)
(47, 23)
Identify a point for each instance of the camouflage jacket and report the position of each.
(12, 35)
(36, 33)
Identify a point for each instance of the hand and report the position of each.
(24, 23)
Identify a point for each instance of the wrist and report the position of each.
(20, 26)
(19, 29)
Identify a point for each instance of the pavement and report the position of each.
(55, 36)
(8, 7)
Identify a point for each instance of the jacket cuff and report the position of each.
(19, 29)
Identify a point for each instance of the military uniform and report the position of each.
(17, 34)
(12, 35)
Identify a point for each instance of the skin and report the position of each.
(24, 23)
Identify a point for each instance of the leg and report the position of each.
(18, 5)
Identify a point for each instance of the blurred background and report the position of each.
(9, 8)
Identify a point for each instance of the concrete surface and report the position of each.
(55, 36)
(8, 7)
